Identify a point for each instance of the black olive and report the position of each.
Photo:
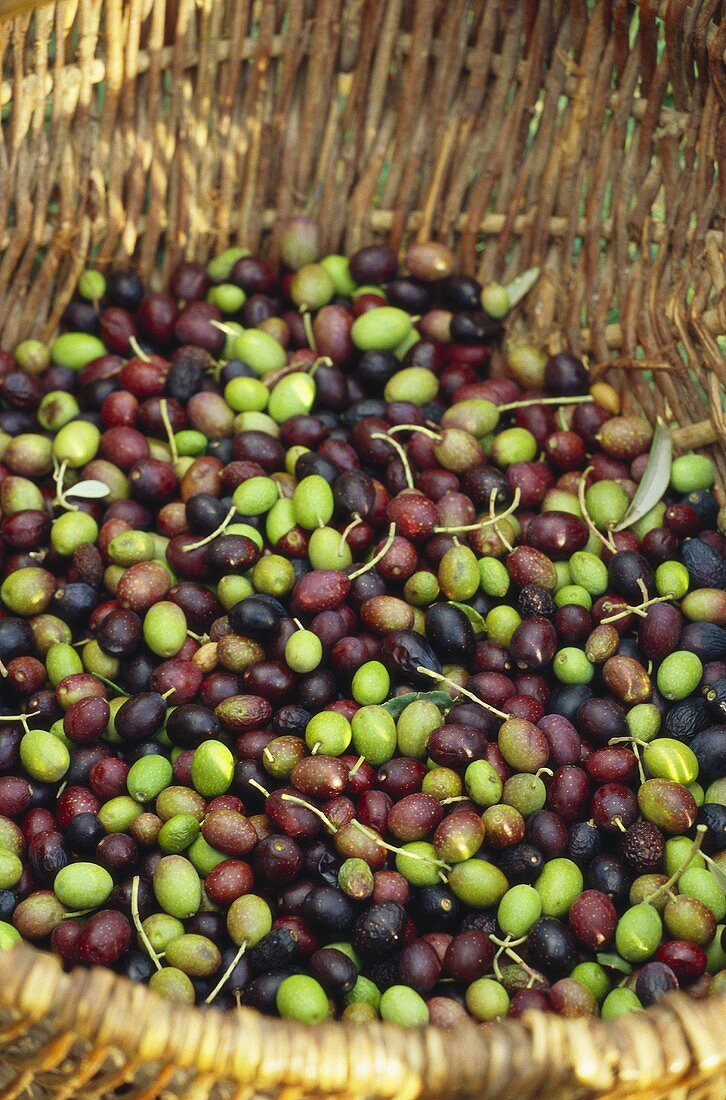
(450, 633)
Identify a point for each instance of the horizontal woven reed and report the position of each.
(585, 137)
(85, 1034)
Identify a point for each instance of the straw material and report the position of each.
(585, 136)
(83, 1035)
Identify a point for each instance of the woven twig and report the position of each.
(524, 133)
(85, 1033)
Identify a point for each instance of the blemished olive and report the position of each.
(195, 955)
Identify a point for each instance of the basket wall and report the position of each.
(582, 135)
(588, 137)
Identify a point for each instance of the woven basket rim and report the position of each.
(148, 1029)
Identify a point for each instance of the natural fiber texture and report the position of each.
(588, 138)
(583, 136)
(85, 1034)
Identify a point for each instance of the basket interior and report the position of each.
(582, 137)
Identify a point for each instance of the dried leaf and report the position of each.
(614, 962)
(395, 706)
(88, 490)
(476, 620)
(655, 479)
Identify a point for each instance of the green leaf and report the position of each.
(89, 490)
(395, 706)
(476, 620)
(655, 479)
(716, 871)
(520, 287)
(614, 962)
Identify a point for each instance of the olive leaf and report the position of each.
(655, 479)
(520, 287)
(89, 490)
(614, 962)
(476, 620)
(395, 706)
(716, 871)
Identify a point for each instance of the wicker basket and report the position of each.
(581, 136)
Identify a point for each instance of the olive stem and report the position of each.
(455, 798)
(313, 810)
(618, 823)
(545, 401)
(507, 941)
(321, 361)
(138, 925)
(495, 520)
(665, 888)
(138, 350)
(267, 754)
(415, 428)
(487, 522)
(636, 746)
(254, 783)
(346, 531)
(401, 454)
(168, 692)
(308, 326)
(376, 557)
(586, 515)
(356, 767)
(226, 329)
(219, 530)
(440, 678)
(59, 473)
(208, 1000)
(636, 609)
(164, 410)
(398, 851)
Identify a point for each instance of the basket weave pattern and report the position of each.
(585, 137)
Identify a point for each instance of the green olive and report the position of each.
(44, 756)
(71, 530)
(212, 769)
(165, 628)
(381, 329)
(415, 384)
(75, 350)
(28, 591)
(82, 885)
(294, 395)
(177, 887)
(260, 350)
(76, 443)
(313, 502)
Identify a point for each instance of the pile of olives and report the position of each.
(343, 670)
